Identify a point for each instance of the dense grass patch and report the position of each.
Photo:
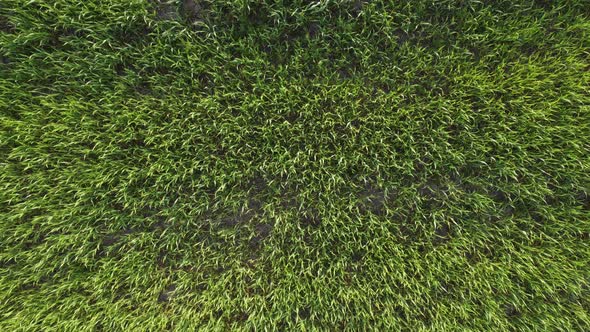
(294, 165)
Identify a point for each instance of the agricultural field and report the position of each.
(294, 165)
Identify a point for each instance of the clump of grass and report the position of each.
(294, 165)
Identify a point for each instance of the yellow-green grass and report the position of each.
(294, 165)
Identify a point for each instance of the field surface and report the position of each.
(294, 165)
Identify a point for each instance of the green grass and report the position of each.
(294, 165)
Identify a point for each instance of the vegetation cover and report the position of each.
(294, 165)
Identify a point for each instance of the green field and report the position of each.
(294, 165)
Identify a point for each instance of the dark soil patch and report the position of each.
(192, 10)
(166, 10)
(443, 234)
(301, 314)
(584, 199)
(167, 293)
(373, 199)
(143, 88)
(358, 256)
(511, 311)
(313, 30)
(241, 316)
(357, 7)
(5, 25)
(111, 239)
(262, 231)
(310, 219)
